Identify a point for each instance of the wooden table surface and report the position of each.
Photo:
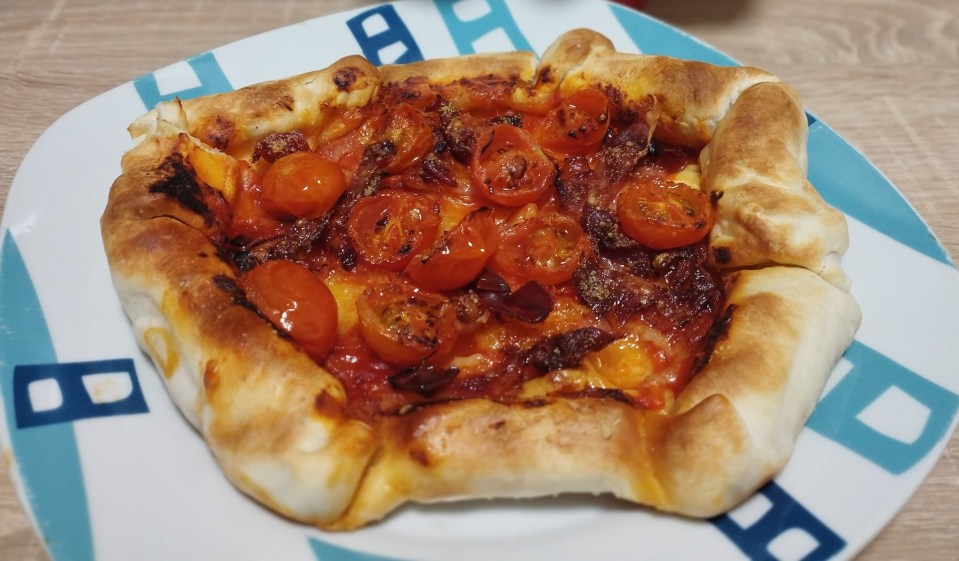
(883, 73)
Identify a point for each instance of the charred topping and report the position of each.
(423, 379)
(567, 350)
(435, 170)
(530, 303)
(298, 240)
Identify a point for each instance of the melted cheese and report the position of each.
(622, 365)
(690, 175)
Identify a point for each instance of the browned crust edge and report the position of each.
(274, 419)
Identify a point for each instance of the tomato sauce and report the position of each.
(490, 253)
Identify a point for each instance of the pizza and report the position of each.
(486, 276)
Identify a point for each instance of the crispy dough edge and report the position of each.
(302, 457)
(767, 211)
(733, 428)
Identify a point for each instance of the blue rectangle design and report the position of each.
(837, 415)
(396, 32)
(207, 70)
(466, 32)
(76, 401)
(786, 514)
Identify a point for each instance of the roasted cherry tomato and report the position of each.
(296, 301)
(664, 214)
(410, 133)
(577, 126)
(390, 227)
(546, 247)
(302, 185)
(249, 220)
(459, 256)
(509, 168)
(405, 326)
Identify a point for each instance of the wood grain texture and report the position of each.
(883, 73)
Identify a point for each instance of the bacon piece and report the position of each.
(567, 350)
(614, 294)
(574, 183)
(275, 145)
(460, 139)
(608, 239)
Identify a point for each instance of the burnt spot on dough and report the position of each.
(722, 256)
(219, 132)
(178, 182)
(228, 284)
(546, 75)
(714, 197)
(717, 331)
(211, 377)
(327, 406)
(601, 393)
(345, 78)
(286, 101)
(420, 456)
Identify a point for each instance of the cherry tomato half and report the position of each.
(546, 247)
(296, 301)
(406, 326)
(577, 126)
(459, 257)
(390, 227)
(411, 134)
(509, 168)
(302, 185)
(664, 214)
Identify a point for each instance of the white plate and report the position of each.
(120, 475)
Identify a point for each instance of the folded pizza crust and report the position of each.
(275, 420)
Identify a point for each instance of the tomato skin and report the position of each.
(459, 257)
(509, 168)
(664, 214)
(302, 185)
(546, 247)
(577, 126)
(296, 301)
(405, 326)
(389, 228)
(249, 221)
(407, 128)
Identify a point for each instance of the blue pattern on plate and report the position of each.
(873, 374)
(207, 70)
(465, 33)
(847, 181)
(785, 514)
(77, 403)
(47, 456)
(46, 450)
(325, 551)
(396, 32)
